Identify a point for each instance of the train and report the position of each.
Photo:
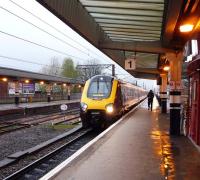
(105, 98)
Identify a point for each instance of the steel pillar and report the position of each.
(48, 90)
(17, 93)
(113, 70)
(163, 93)
(68, 92)
(175, 93)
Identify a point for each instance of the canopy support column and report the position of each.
(163, 93)
(175, 92)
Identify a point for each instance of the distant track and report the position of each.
(14, 125)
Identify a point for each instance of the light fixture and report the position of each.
(166, 68)
(27, 81)
(166, 65)
(79, 86)
(41, 82)
(186, 28)
(4, 79)
(54, 84)
(64, 84)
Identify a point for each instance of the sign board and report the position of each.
(28, 88)
(130, 64)
(175, 85)
(172, 85)
(63, 107)
(178, 85)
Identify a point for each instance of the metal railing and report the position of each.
(38, 98)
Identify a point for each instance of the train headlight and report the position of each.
(109, 108)
(84, 106)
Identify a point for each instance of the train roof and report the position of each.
(121, 81)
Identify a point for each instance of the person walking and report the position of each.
(150, 97)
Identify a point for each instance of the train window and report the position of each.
(100, 87)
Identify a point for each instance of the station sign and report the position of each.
(63, 107)
(130, 64)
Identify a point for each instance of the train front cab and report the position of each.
(194, 100)
(103, 104)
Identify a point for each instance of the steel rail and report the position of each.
(5, 128)
(44, 160)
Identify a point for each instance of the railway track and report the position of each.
(14, 125)
(47, 162)
(43, 165)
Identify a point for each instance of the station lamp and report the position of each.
(186, 28)
(166, 68)
(4, 79)
(27, 81)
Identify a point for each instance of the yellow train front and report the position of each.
(105, 98)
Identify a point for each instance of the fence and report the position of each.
(38, 98)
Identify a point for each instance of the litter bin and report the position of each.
(48, 99)
(30, 99)
(16, 100)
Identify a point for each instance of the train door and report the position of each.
(118, 100)
(194, 130)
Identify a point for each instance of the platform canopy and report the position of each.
(146, 29)
(20, 75)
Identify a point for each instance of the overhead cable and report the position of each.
(52, 26)
(40, 45)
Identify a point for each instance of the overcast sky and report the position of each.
(44, 41)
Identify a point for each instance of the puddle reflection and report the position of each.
(163, 149)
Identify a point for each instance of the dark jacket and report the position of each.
(150, 95)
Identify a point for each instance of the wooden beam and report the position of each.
(171, 16)
(147, 70)
(143, 75)
(139, 46)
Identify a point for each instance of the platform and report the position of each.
(35, 104)
(6, 109)
(138, 147)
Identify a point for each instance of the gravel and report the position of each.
(26, 138)
(27, 160)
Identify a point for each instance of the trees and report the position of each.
(88, 70)
(68, 69)
(53, 68)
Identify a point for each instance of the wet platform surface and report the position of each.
(139, 147)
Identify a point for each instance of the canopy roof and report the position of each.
(119, 28)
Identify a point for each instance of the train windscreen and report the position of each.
(100, 87)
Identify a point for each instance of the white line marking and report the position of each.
(61, 166)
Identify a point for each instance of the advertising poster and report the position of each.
(37, 87)
(12, 88)
(28, 88)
